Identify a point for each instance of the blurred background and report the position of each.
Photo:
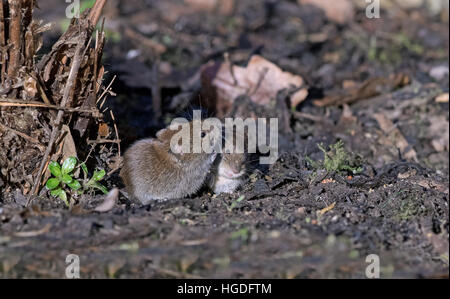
(157, 47)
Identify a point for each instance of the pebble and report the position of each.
(439, 72)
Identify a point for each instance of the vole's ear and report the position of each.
(160, 134)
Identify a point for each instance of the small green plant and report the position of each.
(62, 177)
(93, 183)
(235, 203)
(63, 180)
(336, 159)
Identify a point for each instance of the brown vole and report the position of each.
(152, 170)
(227, 173)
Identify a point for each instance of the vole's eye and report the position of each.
(203, 134)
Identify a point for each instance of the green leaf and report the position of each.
(61, 194)
(98, 175)
(100, 187)
(56, 192)
(52, 183)
(75, 185)
(63, 197)
(66, 178)
(84, 168)
(55, 169)
(69, 165)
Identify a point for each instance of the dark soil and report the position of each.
(292, 220)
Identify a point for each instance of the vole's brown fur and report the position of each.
(226, 175)
(152, 171)
(227, 172)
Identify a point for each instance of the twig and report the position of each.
(107, 89)
(103, 141)
(116, 130)
(24, 136)
(262, 75)
(18, 103)
(298, 114)
(56, 127)
(145, 42)
(15, 37)
(34, 233)
(41, 88)
(96, 11)
(2, 43)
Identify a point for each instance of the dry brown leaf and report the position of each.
(69, 149)
(223, 6)
(369, 88)
(443, 98)
(407, 174)
(396, 136)
(30, 87)
(430, 184)
(110, 201)
(103, 130)
(347, 116)
(260, 80)
(341, 11)
(327, 209)
(439, 131)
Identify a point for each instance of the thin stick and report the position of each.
(96, 11)
(103, 141)
(2, 42)
(315, 118)
(56, 127)
(106, 90)
(115, 129)
(18, 103)
(15, 37)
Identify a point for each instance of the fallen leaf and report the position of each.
(407, 174)
(327, 209)
(30, 87)
(396, 137)
(260, 80)
(103, 130)
(439, 132)
(222, 6)
(369, 88)
(110, 201)
(327, 181)
(443, 98)
(68, 148)
(341, 11)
